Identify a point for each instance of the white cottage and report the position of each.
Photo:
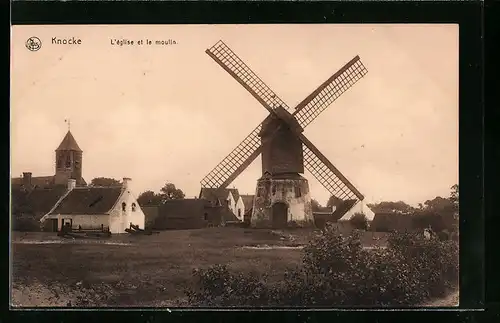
(229, 196)
(94, 207)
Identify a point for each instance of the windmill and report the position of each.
(282, 193)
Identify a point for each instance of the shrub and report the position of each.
(337, 271)
(359, 221)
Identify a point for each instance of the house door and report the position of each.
(67, 222)
(279, 215)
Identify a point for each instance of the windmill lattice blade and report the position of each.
(329, 176)
(329, 91)
(234, 163)
(228, 60)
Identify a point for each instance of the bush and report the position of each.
(337, 271)
(359, 221)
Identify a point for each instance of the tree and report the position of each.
(333, 201)
(391, 207)
(439, 205)
(316, 207)
(359, 221)
(149, 198)
(454, 198)
(105, 181)
(170, 192)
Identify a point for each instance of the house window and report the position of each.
(59, 162)
(297, 192)
(124, 206)
(205, 216)
(274, 189)
(133, 207)
(239, 213)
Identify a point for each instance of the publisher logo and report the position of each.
(33, 44)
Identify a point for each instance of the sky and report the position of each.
(169, 113)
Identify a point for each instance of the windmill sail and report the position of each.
(329, 91)
(230, 62)
(327, 174)
(234, 163)
(305, 112)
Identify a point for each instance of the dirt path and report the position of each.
(38, 295)
(450, 300)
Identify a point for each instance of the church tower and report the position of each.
(69, 161)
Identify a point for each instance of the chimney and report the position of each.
(71, 184)
(27, 179)
(126, 182)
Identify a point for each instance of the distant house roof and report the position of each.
(89, 200)
(68, 143)
(43, 182)
(248, 201)
(37, 201)
(213, 194)
(235, 193)
(39, 181)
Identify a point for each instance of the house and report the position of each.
(341, 213)
(248, 204)
(349, 208)
(150, 215)
(68, 165)
(28, 206)
(96, 207)
(185, 214)
(229, 197)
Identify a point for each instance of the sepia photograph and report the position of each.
(234, 166)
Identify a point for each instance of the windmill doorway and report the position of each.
(279, 215)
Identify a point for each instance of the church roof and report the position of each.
(68, 143)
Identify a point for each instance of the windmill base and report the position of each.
(282, 202)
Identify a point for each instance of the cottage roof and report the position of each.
(37, 201)
(68, 143)
(89, 200)
(248, 201)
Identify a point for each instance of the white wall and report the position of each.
(120, 220)
(239, 205)
(85, 220)
(231, 203)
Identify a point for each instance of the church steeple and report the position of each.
(69, 161)
(68, 143)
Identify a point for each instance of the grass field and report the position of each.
(145, 270)
(150, 271)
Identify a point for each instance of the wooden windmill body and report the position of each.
(282, 195)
